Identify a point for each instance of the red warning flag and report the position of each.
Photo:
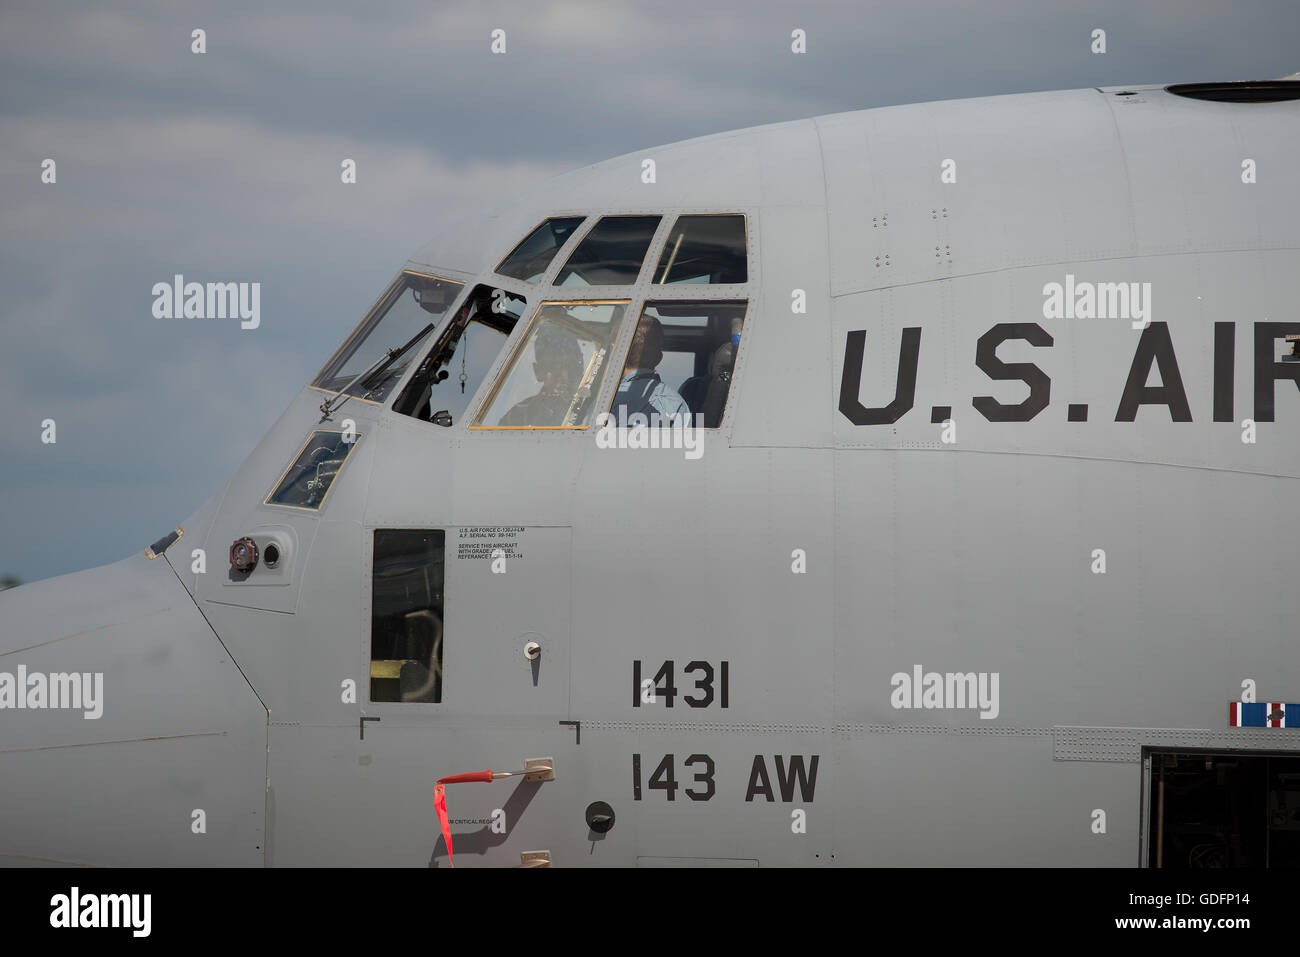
(440, 805)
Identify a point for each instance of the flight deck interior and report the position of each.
(675, 367)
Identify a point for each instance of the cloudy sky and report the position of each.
(225, 167)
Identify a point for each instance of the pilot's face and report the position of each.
(557, 375)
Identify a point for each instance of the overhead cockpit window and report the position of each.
(375, 356)
(406, 615)
(558, 367)
(308, 480)
(704, 249)
(679, 364)
(443, 386)
(528, 260)
(611, 254)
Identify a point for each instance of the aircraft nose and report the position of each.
(127, 735)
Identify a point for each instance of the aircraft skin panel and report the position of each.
(999, 579)
(340, 800)
(179, 729)
(1184, 161)
(1038, 178)
(794, 404)
(700, 572)
(992, 801)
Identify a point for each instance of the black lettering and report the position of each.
(807, 783)
(1225, 357)
(667, 689)
(756, 774)
(986, 359)
(663, 779)
(701, 777)
(1267, 371)
(1156, 347)
(851, 381)
(704, 684)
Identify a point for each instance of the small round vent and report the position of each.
(1262, 91)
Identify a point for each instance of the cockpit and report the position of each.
(529, 348)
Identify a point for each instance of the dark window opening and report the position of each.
(611, 254)
(681, 358)
(406, 615)
(704, 249)
(528, 260)
(443, 385)
(1223, 809)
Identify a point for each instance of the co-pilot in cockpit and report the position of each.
(558, 366)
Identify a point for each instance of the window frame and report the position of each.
(512, 287)
(581, 235)
(550, 271)
(616, 346)
(266, 499)
(634, 294)
(408, 708)
(650, 299)
(744, 225)
(386, 299)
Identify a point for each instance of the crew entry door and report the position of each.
(472, 619)
(510, 610)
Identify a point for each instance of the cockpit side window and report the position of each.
(704, 249)
(307, 480)
(528, 260)
(611, 253)
(373, 359)
(445, 383)
(558, 367)
(679, 364)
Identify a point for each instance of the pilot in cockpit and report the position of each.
(641, 390)
(558, 366)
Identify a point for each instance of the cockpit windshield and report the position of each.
(372, 360)
(558, 367)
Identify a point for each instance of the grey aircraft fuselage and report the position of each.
(962, 546)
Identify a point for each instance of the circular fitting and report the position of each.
(271, 555)
(243, 554)
(600, 817)
(532, 650)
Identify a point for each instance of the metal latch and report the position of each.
(539, 769)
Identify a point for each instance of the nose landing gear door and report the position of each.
(508, 591)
